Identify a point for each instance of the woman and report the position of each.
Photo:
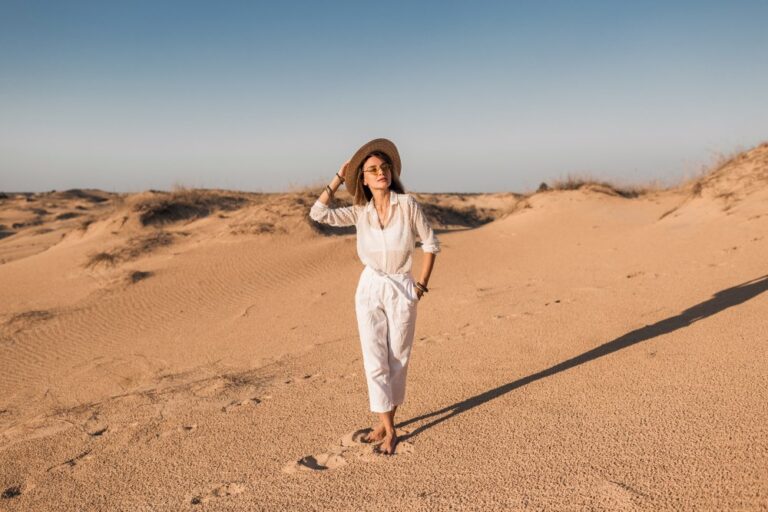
(387, 220)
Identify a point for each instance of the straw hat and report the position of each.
(385, 146)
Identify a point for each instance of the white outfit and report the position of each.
(385, 299)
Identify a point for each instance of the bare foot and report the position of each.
(376, 435)
(387, 447)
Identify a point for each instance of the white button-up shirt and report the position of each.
(389, 249)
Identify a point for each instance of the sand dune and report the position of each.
(198, 350)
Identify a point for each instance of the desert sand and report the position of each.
(198, 350)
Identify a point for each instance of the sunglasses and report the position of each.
(374, 169)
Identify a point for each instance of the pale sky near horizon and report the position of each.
(479, 96)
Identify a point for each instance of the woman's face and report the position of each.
(380, 176)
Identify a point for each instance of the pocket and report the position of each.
(414, 298)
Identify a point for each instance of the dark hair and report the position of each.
(363, 194)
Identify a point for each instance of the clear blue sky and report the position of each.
(479, 96)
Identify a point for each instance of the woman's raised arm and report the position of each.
(320, 212)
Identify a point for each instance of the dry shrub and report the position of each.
(185, 204)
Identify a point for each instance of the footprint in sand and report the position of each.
(351, 446)
(94, 426)
(434, 339)
(181, 428)
(218, 491)
(11, 492)
(301, 378)
(15, 491)
(97, 431)
(316, 463)
(235, 404)
(71, 463)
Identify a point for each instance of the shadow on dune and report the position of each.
(720, 301)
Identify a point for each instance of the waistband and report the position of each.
(405, 276)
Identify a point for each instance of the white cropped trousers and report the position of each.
(385, 305)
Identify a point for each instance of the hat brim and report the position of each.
(386, 146)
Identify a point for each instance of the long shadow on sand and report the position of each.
(720, 301)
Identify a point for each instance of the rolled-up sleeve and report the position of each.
(344, 216)
(429, 241)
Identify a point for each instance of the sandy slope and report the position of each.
(581, 351)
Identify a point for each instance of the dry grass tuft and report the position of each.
(100, 258)
(185, 204)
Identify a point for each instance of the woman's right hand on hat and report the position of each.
(343, 170)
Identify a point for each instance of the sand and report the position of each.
(581, 350)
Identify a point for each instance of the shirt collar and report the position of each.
(392, 200)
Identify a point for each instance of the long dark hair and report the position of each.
(363, 193)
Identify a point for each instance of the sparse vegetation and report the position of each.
(469, 217)
(255, 228)
(185, 204)
(67, 215)
(29, 316)
(574, 182)
(76, 193)
(34, 222)
(137, 275)
(99, 258)
(135, 248)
